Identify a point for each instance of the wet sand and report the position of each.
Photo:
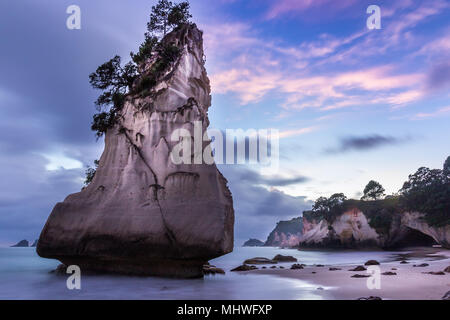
(410, 283)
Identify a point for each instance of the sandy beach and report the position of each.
(409, 283)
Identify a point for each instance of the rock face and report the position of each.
(21, 244)
(253, 243)
(353, 229)
(286, 234)
(143, 214)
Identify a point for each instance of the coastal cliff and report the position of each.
(142, 213)
(355, 228)
(285, 234)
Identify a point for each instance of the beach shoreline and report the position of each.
(409, 283)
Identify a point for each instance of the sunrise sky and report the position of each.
(351, 104)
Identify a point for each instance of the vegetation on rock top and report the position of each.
(117, 82)
(427, 191)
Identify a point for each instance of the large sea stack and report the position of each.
(142, 214)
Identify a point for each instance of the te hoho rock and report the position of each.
(142, 214)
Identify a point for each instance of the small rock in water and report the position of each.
(259, 260)
(447, 269)
(394, 269)
(372, 263)
(358, 268)
(360, 276)
(244, 267)
(281, 258)
(209, 269)
(370, 298)
(319, 288)
(320, 265)
(273, 267)
(334, 269)
(389, 273)
(404, 262)
(296, 266)
(313, 272)
(60, 270)
(422, 265)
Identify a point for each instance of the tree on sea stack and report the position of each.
(140, 212)
(166, 16)
(373, 191)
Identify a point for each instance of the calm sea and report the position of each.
(24, 275)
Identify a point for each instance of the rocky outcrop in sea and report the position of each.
(142, 213)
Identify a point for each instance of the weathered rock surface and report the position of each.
(21, 244)
(285, 234)
(143, 214)
(253, 243)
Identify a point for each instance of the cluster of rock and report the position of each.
(142, 213)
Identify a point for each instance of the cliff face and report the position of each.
(285, 234)
(353, 229)
(143, 214)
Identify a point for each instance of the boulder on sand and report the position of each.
(372, 263)
(259, 260)
(358, 268)
(281, 258)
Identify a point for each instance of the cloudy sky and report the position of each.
(352, 104)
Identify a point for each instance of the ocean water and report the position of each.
(24, 275)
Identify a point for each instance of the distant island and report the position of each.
(21, 244)
(25, 244)
(253, 243)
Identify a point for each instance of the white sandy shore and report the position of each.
(410, 283)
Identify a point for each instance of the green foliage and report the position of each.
(90, 173)
(167, 54)
(428, 191)
(373, 191)
(115, 81)
(146, 50)
(166, 16)
(328, 208)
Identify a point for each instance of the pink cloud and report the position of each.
(282, 7)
